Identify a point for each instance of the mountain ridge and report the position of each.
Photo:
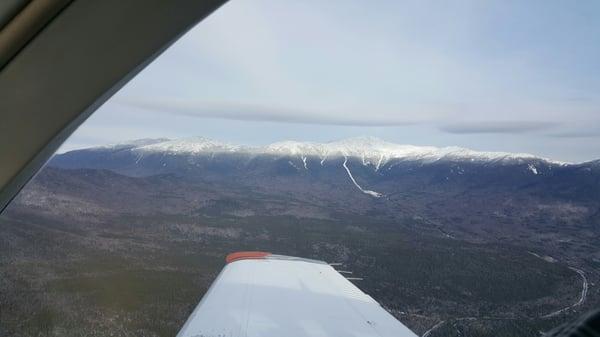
(369, 166)
(370, 150)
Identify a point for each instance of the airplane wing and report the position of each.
(260, 294)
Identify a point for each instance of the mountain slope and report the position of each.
(456, 190)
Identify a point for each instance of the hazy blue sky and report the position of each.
(519, 76)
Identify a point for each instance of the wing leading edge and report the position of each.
(264, 295)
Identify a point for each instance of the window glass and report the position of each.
(444, 153)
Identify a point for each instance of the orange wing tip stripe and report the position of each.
(246, 256)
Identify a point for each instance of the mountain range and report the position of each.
(456, 188)
(449, 240)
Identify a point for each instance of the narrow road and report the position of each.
(428, 332)
(582, 298)
(435, 327)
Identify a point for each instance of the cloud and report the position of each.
(508, 127)
(251, 112)
(585, 133)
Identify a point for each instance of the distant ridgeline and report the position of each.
(368, 165)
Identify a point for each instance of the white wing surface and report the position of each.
(263, 295)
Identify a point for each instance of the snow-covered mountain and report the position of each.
(367, 165)
(370, 150)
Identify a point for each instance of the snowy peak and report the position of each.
(370, 150)
(295, 148)
(196, 145)
(131, 144)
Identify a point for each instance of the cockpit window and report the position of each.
(441, 157)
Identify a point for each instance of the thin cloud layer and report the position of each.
(581, 133)
(240, 112)
(509, 127)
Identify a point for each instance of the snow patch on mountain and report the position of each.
(133, 144)
(533, 169)
(196, 145)
(369, 192)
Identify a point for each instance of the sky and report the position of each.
(517, 76)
